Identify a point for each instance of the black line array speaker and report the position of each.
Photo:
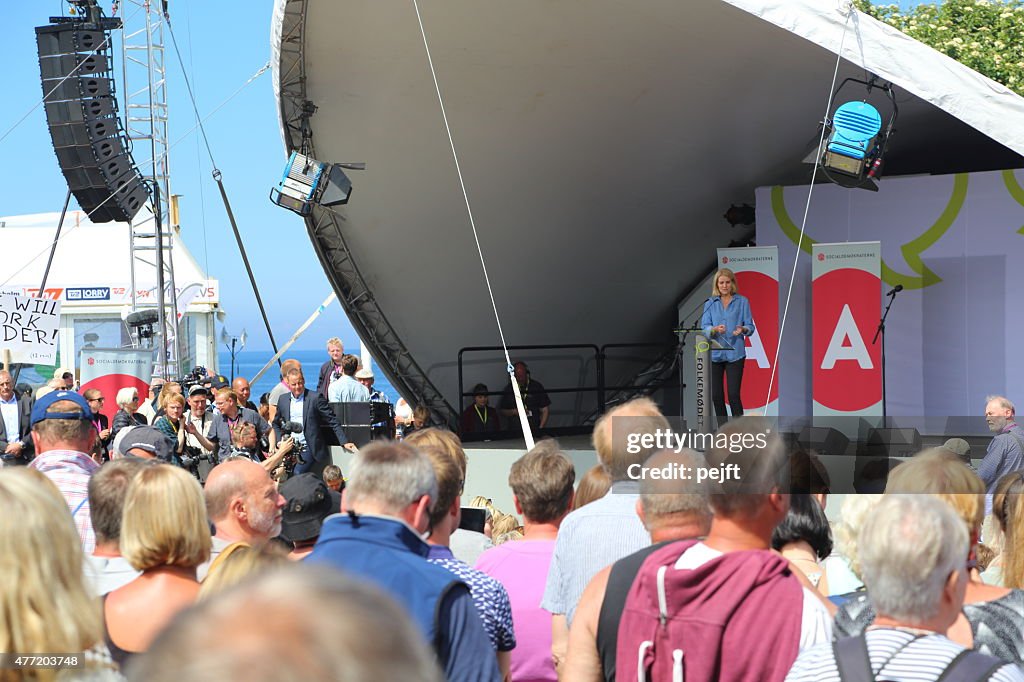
(81, 112)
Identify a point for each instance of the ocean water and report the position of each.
(248, 362)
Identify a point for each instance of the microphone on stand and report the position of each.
(682, 328)
(895, 290)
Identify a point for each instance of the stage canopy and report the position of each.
(601, 141)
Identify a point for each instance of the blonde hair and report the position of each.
(504, 525)
(636, 417)
(237, 562)
(176, 398)
(229, 394)
(854, 512)
(934, 472)
(46, 605)
(443, 440)
(724, 272)
(1008, 508)
(167, 391)
(165, 522)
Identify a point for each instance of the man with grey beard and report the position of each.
(1005, 453)
(243, 504)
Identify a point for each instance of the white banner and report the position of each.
(111, 369)
(28, 328)
(207, 291)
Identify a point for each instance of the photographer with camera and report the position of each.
(237, 430)
(306, 415)
(197, 424)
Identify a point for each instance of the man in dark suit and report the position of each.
(15, 423)
(330, 370)
(315, 415)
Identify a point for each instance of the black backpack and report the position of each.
(854, 664)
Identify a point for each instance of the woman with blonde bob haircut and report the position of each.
(992, 619)
(166, 535)
(726, 320)
(45, 605)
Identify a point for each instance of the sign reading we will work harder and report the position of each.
(28, 328)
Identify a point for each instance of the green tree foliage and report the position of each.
(985, 35)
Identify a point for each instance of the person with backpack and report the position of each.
(671, 510)
(912, 559)
(726, 608)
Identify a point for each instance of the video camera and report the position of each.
(194, 378)
(295, 456)
(191, 456)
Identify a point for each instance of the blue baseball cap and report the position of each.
(39, 410)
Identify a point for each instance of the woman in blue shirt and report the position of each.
(727, 320)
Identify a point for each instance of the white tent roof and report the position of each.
(88, 255)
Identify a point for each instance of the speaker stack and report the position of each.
(81, 112)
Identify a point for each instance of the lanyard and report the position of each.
(481, 417)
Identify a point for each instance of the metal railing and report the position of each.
(590, 355)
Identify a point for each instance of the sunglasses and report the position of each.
(97, 400)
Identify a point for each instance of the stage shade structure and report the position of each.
(94, 154)
(823, 440)
(893, 442)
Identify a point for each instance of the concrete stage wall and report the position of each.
(488, 470)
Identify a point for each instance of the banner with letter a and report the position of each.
(757, 277)
(111, 369)
(846, 296)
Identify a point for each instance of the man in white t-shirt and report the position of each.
(912, 550)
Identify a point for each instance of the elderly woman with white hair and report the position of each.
(127, 411)
(992, 618)
(912, 554)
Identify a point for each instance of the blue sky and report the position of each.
(223, 44)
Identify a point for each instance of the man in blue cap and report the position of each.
(63, 434)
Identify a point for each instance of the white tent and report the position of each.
(91, 277)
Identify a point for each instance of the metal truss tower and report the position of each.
(144, 98)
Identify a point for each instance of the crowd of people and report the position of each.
(118, 552)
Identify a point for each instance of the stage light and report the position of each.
(307, 182)
(857, 137)
(854, 127)
(740, 214)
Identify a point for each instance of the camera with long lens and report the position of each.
(194, 378)
(191, 456)
(295, 456)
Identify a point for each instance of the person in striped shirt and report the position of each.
(912, 560)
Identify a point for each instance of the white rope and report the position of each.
(527, 432)
(807, 207)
